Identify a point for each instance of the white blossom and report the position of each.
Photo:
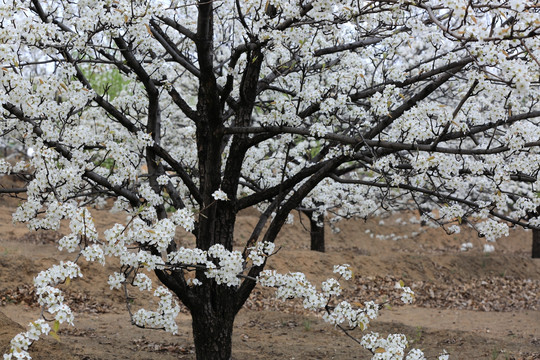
(220, 195)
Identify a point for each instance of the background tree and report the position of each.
(427, 103)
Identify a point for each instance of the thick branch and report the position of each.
(13, 190)
(412, 80)
(178, 27)
(421, 95)
(349, 46)
(444, 197)
(180, 171)
(274, 191)
(281, 216)
(170, 48)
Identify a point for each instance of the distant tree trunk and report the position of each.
(316, 231)
(536, 244)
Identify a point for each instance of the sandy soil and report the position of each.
(474, 305)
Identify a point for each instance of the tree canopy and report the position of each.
(186, 113)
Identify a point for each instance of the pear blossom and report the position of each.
(182, 116)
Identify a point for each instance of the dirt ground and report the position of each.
(473, 305)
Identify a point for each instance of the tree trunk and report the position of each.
(316, 232)
(536, 244)
(212, 333)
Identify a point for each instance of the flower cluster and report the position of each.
(318, 130)
(407, 296)
(393, 347)
(344, 270)
(94, 253)
(116, 280)
(164, 317)
(5, 167)
(228, 267)
(451, 212)
(260, 252)
(344, 312)
(159, 235)
(492, 229)
(50, 298)
(219, 263)
(184, 218)
(220, 195)
(295, 285)
(21, 342)
(142, 281)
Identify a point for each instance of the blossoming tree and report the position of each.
(225, 105)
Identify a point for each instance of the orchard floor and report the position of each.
(474, 305)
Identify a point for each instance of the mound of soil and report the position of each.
(474, 305)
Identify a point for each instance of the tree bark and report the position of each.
(536, 244)
(317, 235)
(212, 329)
(316, 232)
